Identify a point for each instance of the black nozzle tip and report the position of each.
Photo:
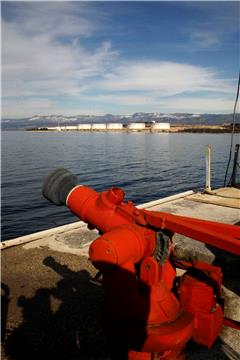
(57, 186)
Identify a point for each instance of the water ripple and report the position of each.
(146, 166)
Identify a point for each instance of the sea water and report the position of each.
(146, 166)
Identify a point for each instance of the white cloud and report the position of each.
(198, 104)
(56, 19)
(143, 102)
(20, 108)
(205, 38)
(165, 78)
(44, 58)
(17, 107)
(42, 52)
(125, 100)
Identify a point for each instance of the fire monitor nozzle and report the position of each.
(57, 186)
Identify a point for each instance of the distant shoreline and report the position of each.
(214, 129)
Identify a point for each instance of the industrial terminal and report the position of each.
(134, 126)
(147, 127)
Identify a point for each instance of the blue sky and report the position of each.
(119, 57)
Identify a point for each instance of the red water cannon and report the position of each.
(150, 313)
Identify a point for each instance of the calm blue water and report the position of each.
(146, 166)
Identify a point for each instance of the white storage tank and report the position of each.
(84, 126)
(136, 126)
(161, 126)
(71, 127)
(114, 126)
(99, 126)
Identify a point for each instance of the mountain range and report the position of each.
(60, 120)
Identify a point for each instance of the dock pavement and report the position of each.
(52, 305)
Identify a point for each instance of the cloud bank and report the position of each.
(48, 67)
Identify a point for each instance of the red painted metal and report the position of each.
(151, 313)
(222, 236)
(101, 211)
(199, 297)
(234, 324)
